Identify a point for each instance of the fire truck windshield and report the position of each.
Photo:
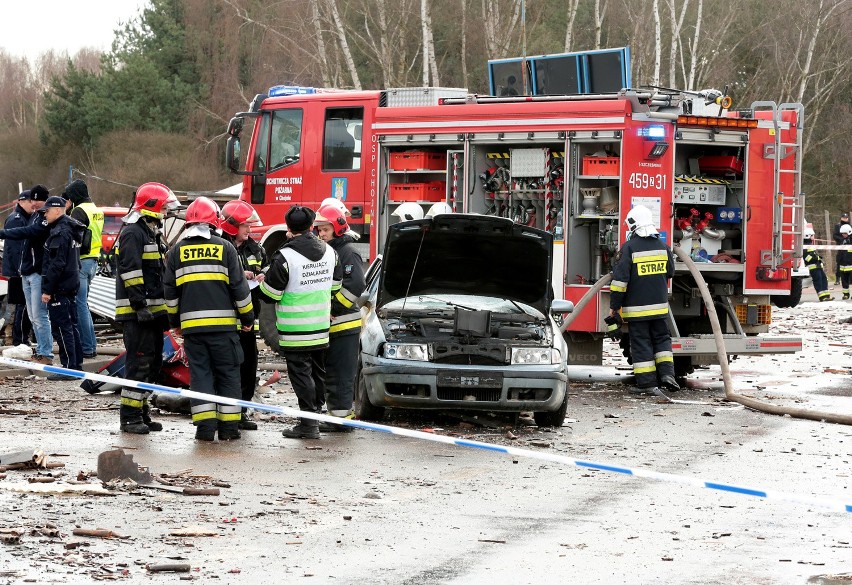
(286, 140)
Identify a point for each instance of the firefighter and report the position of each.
(342, 355)
(18, 327)
(816, 267)
(639, 290)
(844, 259)
(208, 299)
(60, 281)
(302, 277)
(87, 213)
(35, 234)
(838, 239)
(238, 218)
(140, 304)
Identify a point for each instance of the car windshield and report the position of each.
(434, 302)
(112, 224)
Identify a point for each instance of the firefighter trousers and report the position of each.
(341, 362)
(651, 351)
(306, 370)
(248, 368)
(214, 368)
(143, 343)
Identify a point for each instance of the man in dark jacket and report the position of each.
(639, 289)
(302, 277)
(92, 218)
(238, 219)
(34, 234)
(208, 297)
(19, 327)
(838, 240)
(60, 282)
(341, 359)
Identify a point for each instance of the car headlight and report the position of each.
(535, 355)
(407, 351)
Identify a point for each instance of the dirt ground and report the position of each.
(367, 507)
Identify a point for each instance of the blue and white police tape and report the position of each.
(831, 504)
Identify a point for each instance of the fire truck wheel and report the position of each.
(555, 418)
(268, 329)
(364, 409)
(791, 300)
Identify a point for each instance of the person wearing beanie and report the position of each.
(60, 282)
(87, 213)
(838, 240)
(18, 326)
(34, 234)
(301, 279)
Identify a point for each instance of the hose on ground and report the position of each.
(726, 371)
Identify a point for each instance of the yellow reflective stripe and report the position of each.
(151, 255)
(172, 310)
(224, 417)
(343, 300)
(644, 369)
(202, 276)
(662, 359)
(645, 257)
(345, 326)
(206, 415)
(131, 402)
(244, 310)
(616, 288)
(134, 281)
(649, 313)
(212, 322)
(124, 310)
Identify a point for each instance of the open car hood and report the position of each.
(465, 254)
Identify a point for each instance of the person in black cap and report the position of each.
(60, 282)
(87, 213)
(301, 279)
(838, 240)
(34, 234)
(18, 327)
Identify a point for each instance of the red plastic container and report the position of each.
(606, 166)
(720, 165)
(431, 191)
(418, 160)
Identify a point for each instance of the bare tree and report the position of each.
(500, 26)
(658, 43)
(344, 44)
(569, 27)
(323, 57)
(676, 23)
(600, 13)
(430, 64)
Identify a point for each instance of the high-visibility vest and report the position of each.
(96, 226)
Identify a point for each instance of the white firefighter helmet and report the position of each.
(640, 221)
(846, 229)
(809, 233)
(337, 203)
(408, 211)
(438, 209)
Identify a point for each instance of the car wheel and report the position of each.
(555, 418)
(364, 409)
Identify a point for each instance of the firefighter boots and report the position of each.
(669, 383)
(846, 296)
(303, 430)
(228, 432)
(136, 427)
(246, 424)
(146, 418)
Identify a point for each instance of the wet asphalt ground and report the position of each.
(366, 507)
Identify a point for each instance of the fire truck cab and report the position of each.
(723, 185)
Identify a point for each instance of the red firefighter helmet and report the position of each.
(203, 210)
(235, 213)
(154, 200)
(332, 214)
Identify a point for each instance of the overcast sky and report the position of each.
(31, 27)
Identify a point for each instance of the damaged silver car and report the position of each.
(459, 314)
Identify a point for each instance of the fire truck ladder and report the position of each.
(789, 207)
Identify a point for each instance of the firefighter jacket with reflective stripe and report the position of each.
(35, 234)
(812, 259)
(13, 250)
(61, 268)
(345, 314)
(253, 258)
(206, 288)
(303, 276)
(639, 284)
(844, 257)
(139, 255)
(92, 217)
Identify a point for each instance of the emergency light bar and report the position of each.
(284, 90)
(714, 121)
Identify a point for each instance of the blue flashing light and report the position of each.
(285, 90)
(653, 132)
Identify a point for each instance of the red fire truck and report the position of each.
(723, 184)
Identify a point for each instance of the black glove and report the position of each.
(144, 315)
(613, 326)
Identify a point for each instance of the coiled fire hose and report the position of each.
(720, 349)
